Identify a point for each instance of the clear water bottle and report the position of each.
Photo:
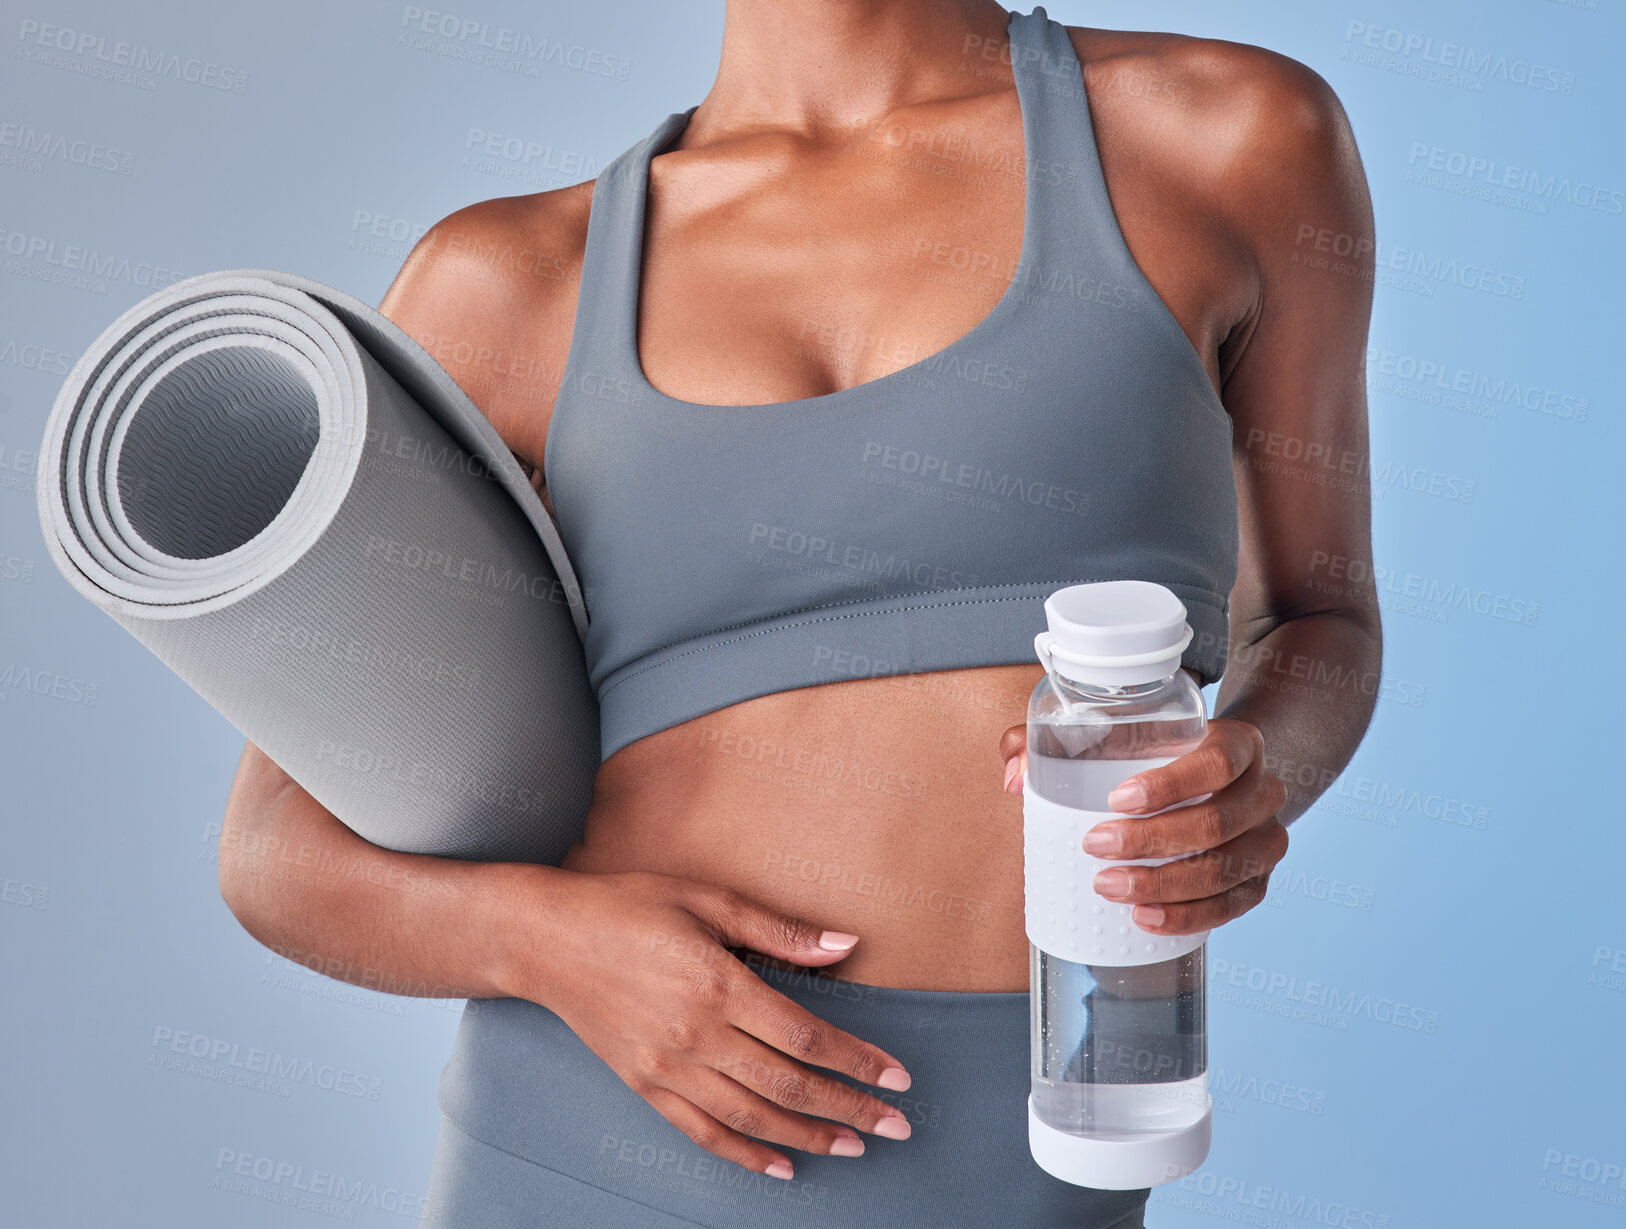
(1119, 1039)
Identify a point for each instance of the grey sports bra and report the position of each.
(914, 522)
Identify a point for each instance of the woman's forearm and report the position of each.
(1310, 686)
(313, 891)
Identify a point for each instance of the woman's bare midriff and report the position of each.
(872, 806)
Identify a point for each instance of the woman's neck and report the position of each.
(822, 67)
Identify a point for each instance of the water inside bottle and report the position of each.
(1123, 1049)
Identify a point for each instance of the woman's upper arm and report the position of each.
(1295, 370)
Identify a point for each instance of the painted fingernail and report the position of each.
(1102, 840)
(780, 1169)
(836, 941)
(893, 1127)
(847, 1145)
(895, 1078)
(1130, 796)
(1147, 915)
(1114, 882)
(1011, 769)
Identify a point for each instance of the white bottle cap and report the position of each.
(1113, 633)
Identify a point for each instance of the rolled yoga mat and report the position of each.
(296, 509)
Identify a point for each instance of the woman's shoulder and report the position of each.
(1218, 84)
(488, 262)
(1244, 134)
(490, 292)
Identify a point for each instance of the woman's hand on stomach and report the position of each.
(638, 967)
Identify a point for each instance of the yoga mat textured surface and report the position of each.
(296, 508)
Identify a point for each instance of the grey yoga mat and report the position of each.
(295, 508)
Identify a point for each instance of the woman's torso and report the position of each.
(871, 805)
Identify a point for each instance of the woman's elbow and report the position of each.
(257, 791)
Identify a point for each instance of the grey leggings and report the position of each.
(551, 1136)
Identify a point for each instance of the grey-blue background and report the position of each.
(1423, 1026)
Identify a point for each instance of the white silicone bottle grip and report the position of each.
(1065, 916)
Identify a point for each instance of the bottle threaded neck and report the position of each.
(1095, 691)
